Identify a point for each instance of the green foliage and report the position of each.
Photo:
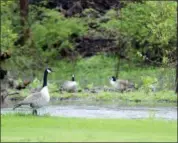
(35, 83)
(8, 36)
(90, 86)
(90, 13)
(111, 14)
(153, 22)
(50, 31)
(147, 80)
(149, 83)
(55, 29)
(53, 87)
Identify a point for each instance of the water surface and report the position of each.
(95, 111)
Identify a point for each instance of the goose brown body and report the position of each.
(38, 99)
(120, 84)
(70, 86)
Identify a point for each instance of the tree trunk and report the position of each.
(24, 20)
(177, 59)
(177, 74)
(117, 65)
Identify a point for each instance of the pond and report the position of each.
(100, 110)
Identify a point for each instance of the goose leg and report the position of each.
(34, 112)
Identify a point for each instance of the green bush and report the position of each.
(8, 36)
(152, 24)
(54, 28)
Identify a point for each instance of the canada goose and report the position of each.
(120, 84)
(153, 87)
(38, 99)
(70, 86)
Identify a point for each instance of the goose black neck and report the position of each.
(45, 78)
(73, 79)
(114, 78)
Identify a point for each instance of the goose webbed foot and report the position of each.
(34, 112)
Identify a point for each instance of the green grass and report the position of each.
(167, 96)
(135, 97)
(45, 128)
(95, 71)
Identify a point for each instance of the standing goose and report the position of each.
(38, 99)
(70, 86)
(120, 84)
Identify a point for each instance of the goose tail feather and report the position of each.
(131, 85)
(16, 106)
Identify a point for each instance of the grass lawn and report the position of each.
(45, 128)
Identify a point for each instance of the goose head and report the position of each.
(112, 80)
(48, 70)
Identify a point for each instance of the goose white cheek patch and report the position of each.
(48, 71)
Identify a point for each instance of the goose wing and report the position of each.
(123, 82)
(65, 83)
(69, 84)
(32, 98)
(126, 83)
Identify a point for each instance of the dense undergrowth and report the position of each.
(147, 36)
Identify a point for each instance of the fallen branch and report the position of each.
(13, 93)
